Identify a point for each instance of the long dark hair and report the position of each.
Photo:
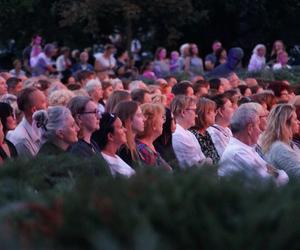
(101, 136)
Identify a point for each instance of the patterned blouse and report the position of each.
(151, 158)
(207, 146)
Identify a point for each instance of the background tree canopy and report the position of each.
(79, 23)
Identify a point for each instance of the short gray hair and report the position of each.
(91, 85)
(60, 97)
(52, 120)
(244, 115)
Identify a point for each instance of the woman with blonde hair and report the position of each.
(296, 102)
(154, 119)
(133, 120)
(276, 140)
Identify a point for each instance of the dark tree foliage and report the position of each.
(157, 22)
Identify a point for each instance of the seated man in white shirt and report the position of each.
(27, 136)
(240, 154)
(186, 147)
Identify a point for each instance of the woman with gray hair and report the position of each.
(60, 129)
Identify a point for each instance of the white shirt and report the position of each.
(187, 148)
(118, 166)
(278, 66)
(256, 63)
(106, 64)
(61, 63)
(220, 137)
(239, 157)
(26, 138)
(41, 64)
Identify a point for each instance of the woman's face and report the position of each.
(224, 54)
(1, 133)
(119, 135)
(278, 46)
(159, 121)
(11, 122)
(162, 54)
(248, 92)
(294, 123)
(261, 52)
(210, 117)
(69, 132)
(90, 119)
(138, 121)
(3, 86)
(227, 111)
(194, 49)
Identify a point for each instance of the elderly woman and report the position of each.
(60, 129)
(133, 120)
(154, 119)
(87, 117)
(258, 59)
(110, 137)
(206, 113)
(276, 140)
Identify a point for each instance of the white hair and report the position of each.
(137, 84)
(257, 47)
(244, 115)
(52, 120)
(91, 85)
(115, 82)
(60, 97)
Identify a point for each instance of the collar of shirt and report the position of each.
(33, 131)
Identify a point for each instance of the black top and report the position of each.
(12, 151)
(125, 155)
(207, 146)
(84, 149)
(48, 148)
(87, 150)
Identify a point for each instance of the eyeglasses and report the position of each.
(95, 112)
(191, 109)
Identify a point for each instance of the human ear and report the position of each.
(110, 137)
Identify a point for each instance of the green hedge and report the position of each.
(67, 203)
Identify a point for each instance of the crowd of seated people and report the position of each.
(153, 119)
